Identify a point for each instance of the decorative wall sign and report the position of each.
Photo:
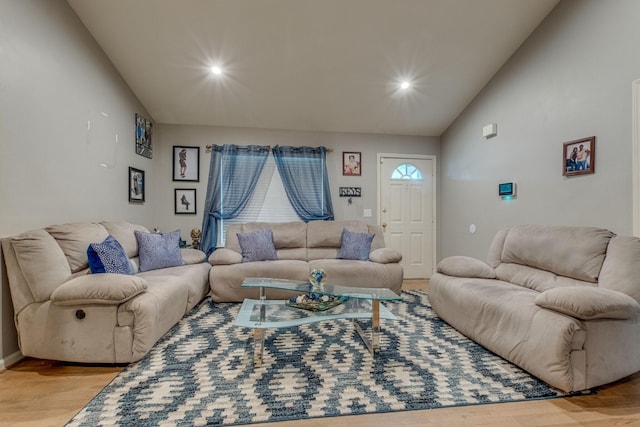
(185, 201)
(351, 163)
(186, 163)
(350, 191)
(144, 136)
(136, 185)
(579, 156)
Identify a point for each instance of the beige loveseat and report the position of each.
(302, 247)
(560, 302)
(62, 312)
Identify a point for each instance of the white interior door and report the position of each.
(407, 210)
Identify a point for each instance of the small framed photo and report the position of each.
(144, 135)
(185, 201)
(136, 185)
(578, 156)
(351, 164)
(186, 163)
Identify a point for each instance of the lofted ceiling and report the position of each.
(312, 65)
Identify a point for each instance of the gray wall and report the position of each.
(200, 136)
(571, 79)
(54, 79)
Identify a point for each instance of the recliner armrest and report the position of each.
(586, 303)
(224, 256)
(103, 289)
(385, 256)
(464, 266)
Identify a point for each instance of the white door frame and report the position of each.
(433, 191)
(636, 157)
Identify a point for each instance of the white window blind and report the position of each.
(269, 202)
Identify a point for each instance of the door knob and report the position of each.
(384, 225)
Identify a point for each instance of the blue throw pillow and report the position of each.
(355, 245)
(158, 250)
(108, 257)
(257, 246)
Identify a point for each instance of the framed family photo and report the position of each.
(186, 163)
(185, 201)
(351, 163)
(144, 136)
(578, 156)
(136, 185)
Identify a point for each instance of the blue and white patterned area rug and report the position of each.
(201, 372)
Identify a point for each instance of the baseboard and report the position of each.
(10, 360)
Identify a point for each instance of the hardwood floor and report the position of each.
(46, 393)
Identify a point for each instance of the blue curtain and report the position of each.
(304, 175)
(233, 174)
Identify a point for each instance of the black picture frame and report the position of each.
(186, 163)
(144, 136)
(185, 201)
(579, 157)
(136, 185)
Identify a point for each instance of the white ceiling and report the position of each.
(314, 65)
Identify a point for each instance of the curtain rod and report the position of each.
(208, 148)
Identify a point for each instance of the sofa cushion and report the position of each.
(192, 256)
(158, 250)
(589, 303)
(576, 252)
(621, 267)
(355, 246)
(123, 232)
(74, 240)
(328, 234)
(224, 256)
(108, 257)
(257, 246)
(464, 266)
(111, 289)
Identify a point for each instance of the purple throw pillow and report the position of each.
(257, 246)
(158, 250)
(108, 257)
(355, 245)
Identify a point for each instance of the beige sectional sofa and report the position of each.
(62, 312)
(560, 302)
(302, 247)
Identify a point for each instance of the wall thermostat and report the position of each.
(507, 190)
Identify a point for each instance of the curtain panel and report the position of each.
(233, 173)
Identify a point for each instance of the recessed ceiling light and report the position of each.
(216, 70)
(405, 85)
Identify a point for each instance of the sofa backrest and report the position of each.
(621, 267)
(324, 238)
(39, 261)
(541, 257)
(289, 238)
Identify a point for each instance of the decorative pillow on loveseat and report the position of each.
(158, 250)
(108, 257)
(355, 246)
(257, 246)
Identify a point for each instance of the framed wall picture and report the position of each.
(578, 156)
(185, 201)
(351, 163)
(136, 185)
(144, 136)
(186, 163)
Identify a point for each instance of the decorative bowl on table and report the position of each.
(315, 301)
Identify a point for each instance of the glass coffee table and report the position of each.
(358, 303)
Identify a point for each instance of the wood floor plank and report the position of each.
(46, 393)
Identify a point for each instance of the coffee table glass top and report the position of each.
(380, 294)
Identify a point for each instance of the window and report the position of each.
(269, 202)
(407, 171)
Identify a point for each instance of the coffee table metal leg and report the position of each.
(373, 343)
(258, 347)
